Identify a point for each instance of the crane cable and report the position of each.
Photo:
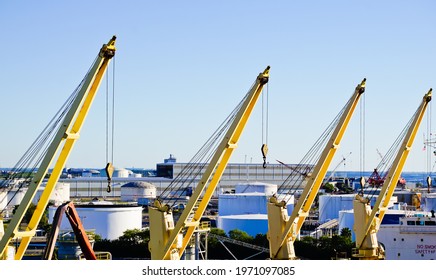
(192, 171)
(28, 164)
(388, 159)
(296, 178)
(362, 141)
(264, 148)
(292, 183)
(429, 153)
(110, 159)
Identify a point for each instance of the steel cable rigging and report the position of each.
(305, 167)
(180, 186)
(362, 135)
(378, 177)
(23, 171)
(110, 127)
(265, 107)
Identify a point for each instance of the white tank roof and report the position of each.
(257, 187)
(139, 184)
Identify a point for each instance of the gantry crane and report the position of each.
(283, 230)
(168, 241)
(61, 146)
(366, 220)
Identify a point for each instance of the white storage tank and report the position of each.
(246, 209)
(330, 205)
(134, 190)
(16, 195)
(90, 173)
(246, 203)
(346, 220)
(252, 224)
(3, 198)
(249, 198)
(121, 173)
(256, 187)
(60, 194)
(2, 230)
(105, 219)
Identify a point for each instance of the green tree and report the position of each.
(329, 188)
(346, 232)
(212, 241)
(135, 236)
(240, 235)
(132, 244)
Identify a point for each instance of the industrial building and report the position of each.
(165, 172)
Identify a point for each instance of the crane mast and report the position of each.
(63, 142)
(168, 241)
(283, 229)
(366, 221)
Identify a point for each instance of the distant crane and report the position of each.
(304, 173)
(336, 167)
(381, 156)
(376, 179)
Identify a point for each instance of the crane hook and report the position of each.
(264, 150)
(109, 171)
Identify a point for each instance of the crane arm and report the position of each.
(366, 223)
(166, 241)
(67, 135)
(79, 231)
(284, 229)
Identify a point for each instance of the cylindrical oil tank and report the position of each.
(3, 198)
(134, 190)
(330, 205)
(247, 203)
(346, 220)
(121, 173)
(251, 224)
(60, 194)
(91, 173)
(107, 220)
(15, 195)
(256, 187)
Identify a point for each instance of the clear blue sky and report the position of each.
(182, 66)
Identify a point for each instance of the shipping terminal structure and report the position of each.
(173, 200)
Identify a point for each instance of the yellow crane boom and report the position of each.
(284, 229)
(366, 221)
(64, 139)
(168, 241)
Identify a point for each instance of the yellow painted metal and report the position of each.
(366, 223)
(67, 135)
(167, 242)
(283, 230)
